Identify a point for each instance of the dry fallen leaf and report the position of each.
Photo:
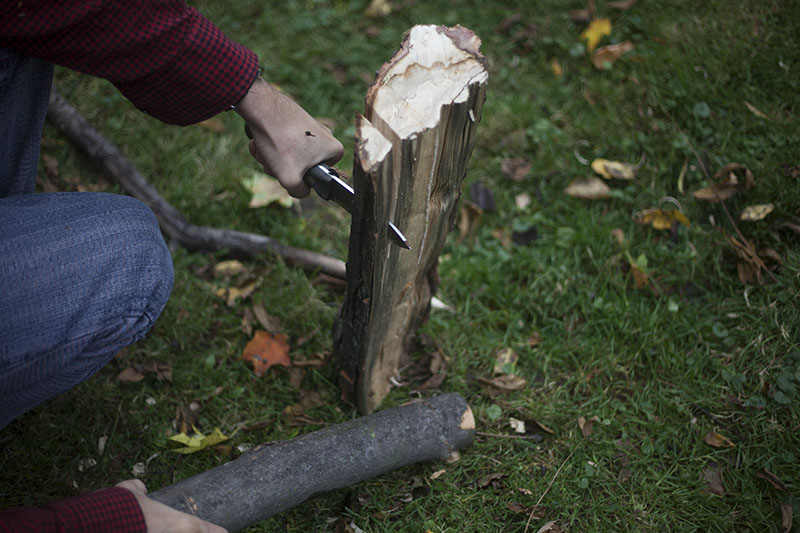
(130, 375)
(640, 277)
(468, 224)
(504, 362)
(550, 527)
(517, 425)
(596, 30)
(378, 8)
(198, 442)
(213, 124)
(731, 178)
(753, 213)
(773, 480)
(618, 235)
(614, 169)
(713, 479)
(754, 110)
(265, 350)
(587, 426)
(622, 5)
(266, 190)
(555, 66)
(270, 323)
(587, 189)
(516, 168)
(787, 515)
(661, 219)
(718, 440)
(228, 268)
(605, 55)
(232, 294)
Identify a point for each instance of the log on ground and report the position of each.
(277, 476)
(412, 151)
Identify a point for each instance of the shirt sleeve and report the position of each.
(114, 509)
(163, 55)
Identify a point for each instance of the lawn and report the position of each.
(662, 366)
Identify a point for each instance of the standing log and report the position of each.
(279, 475)
(412, 148)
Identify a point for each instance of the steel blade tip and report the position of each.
(398, 237)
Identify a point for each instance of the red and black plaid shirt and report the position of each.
(107, 510)
(170, 62)
(164, 56)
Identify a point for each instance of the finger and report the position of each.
(299, 191)
(254, 151)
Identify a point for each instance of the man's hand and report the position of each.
(162, 519)
(287, 141)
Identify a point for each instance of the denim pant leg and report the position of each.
(81, 276)
(24, 90)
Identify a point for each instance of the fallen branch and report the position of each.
(116, 166)
(277, 476)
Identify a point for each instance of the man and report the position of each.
(84, 274)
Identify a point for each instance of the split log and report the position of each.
(118, 168)
(279, 475)
(412, 149)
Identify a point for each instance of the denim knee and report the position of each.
(81, 276)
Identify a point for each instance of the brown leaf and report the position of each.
(468, 224)
(754, 110)
(713, 479)
(773, 480)
(265, 350)
(534, 340)
(505, 383)
(622, 5)
(718, 440)
(550, 527)
(491, 479)
(270, 323)
(731, 179)
(787, 515)
(308, 400)
(640, 277)
(232, 294)
(618, 236)
(247, 322)
(587, 426)
(130, 375)
(296, 375)
(587, 189)
(213, 124)
(606, 55)
(516, 168)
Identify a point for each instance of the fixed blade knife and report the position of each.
(329, 185)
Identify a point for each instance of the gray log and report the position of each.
(277, 476)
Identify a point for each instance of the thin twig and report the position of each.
(530, 516)
(499, 436)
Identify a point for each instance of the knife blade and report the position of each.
(329, 185)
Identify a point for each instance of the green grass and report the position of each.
(659, 367)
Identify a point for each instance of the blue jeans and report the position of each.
(81, 274)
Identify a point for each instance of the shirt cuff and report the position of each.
(113, 509)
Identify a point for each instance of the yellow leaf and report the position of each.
(608, 54)
(596, 30)
(661, 219)
(266, 190)
(378, 8)
(198, 442)
(756, 212)
(718, 441)
(235, 293)
(213, 124)
(587, 189)
(614, 169)
(228, 268)
(555, 66)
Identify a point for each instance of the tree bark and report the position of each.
(279, 475)
(412, 149)
(117, 167)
